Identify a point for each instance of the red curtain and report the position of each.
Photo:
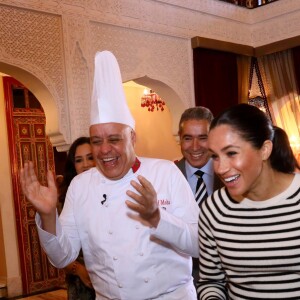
(296, 57)
(215, 79)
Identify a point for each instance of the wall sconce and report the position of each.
(152, 101)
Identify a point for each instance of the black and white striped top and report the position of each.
(251, 249)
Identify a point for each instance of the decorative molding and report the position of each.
(185, 19)
(80, 104)
(55, 40)
(77, 70)
(32, 41)
(150, 54)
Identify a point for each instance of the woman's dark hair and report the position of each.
(255, 127)
(283, 149)
(69, 169)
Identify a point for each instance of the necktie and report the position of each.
(201, 192)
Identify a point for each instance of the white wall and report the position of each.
(153, 129)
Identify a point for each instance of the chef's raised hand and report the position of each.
(43, 198)
(146, 200)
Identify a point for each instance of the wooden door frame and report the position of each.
(36, 271)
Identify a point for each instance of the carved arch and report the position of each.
(43, 94)
(169, 95)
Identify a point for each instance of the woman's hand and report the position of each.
(84, 275)
(78, 269)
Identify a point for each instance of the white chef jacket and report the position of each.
(125, 257)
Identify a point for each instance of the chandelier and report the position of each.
(152, 101)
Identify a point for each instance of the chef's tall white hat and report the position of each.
(108, 103)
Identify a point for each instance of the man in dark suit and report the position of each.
(193, 132)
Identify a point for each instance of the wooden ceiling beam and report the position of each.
(201, 42)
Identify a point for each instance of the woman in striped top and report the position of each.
(249, 231)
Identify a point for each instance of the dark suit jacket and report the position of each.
(181, 165)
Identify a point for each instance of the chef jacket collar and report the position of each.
(136, 165)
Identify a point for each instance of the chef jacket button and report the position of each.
(146, 280)
(115, 258)
(137, 226)
(106, 204)
(103, 181)
(110, 232)
(141, 253)
(120, 285)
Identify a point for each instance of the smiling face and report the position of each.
(83, 159)
(113, 148)
(241, 167)
(193, 142)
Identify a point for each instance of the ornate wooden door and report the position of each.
(27, 141)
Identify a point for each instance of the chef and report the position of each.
(134, 218)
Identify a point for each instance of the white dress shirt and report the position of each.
(125, 257)
(208, 176)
